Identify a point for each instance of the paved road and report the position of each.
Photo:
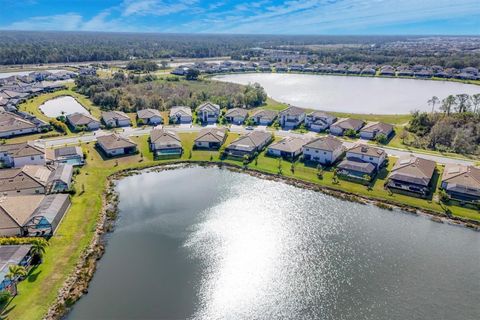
(90, 137)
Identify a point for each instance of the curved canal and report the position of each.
(206, 243)
(353, 94)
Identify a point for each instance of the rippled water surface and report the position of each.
(352, 94)
(202, 243)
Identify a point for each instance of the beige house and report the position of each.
(210, 138)
(412, 174)
(461, 182)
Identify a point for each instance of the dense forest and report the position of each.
(131, 93)
(455, 129)
(22, 47)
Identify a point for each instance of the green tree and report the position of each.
(192, 74)
(447, 104)
(15, 271)
(433, 101)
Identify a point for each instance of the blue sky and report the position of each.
(252, 17)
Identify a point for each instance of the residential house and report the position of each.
(72, 155)
(319, 121)
(412, 175)
(116, 119)
(60, 178)
(13, 125)
(32, 215)
(80, 121)
(236, 115)
(361, 161)
(373, 129)
(291, 117)
(116, 145)
(16, 255)
(248, 144)
(288, 148)
(341, 126)
(149, 116)
(461, 182)
(21, 154)
(324, 150)
(165, 143)
(208, 112)
(180, 114)
(264, 117)
(210, 138)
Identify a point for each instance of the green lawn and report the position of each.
(39, 290)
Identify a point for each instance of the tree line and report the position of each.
(456, 128)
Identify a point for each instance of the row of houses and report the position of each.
(418, 71)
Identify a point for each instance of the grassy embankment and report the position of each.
(39, 290)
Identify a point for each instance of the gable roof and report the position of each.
(211, 135)
(23, 149)
(80, 119)
(321, 114)
(12, 255)
(236, 112)
(180, 111)
(20, 208)
(413, 170)
(208, 106)
(289, 144)
(11, 122)
(367, 150)
(148, 113)
(292, 111)
(380, 127)
(114, 141)
(327, 143)
(349, 123)
(251, 140)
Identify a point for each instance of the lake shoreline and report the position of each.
(78, 282)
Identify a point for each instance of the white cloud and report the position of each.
(155, 7)
(67, 22)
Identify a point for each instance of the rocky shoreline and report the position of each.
(77, 283)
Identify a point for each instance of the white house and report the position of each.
(365, 153)
(291, 117)
(116, 145)
(150, 116)
(180, 114)
(342, 125)
(264, 117)
(208, 112)
(319, 121)
(116, 119)
(324, 150)
(20, 154)
(78, 120)
(236, 115)
(374, 129)
(289, 147)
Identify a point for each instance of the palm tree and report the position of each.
(38, 249)
(15, 271)
(447, 104)
(433, 101)
(475, 101)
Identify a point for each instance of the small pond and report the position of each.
(62, 106)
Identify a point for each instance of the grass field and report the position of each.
(39, 290)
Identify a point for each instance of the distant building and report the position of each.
(116, 145)
(319, 121)
(264, 117)
(291, 117)
(371, 130)
(211, 138)
(150, 116)
(341, 126)
(236, 115)
(461, 182)
(116, 119)
(208, 112)
(180, 114)
(165, 143)
(80, 121)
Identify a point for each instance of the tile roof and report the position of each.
(180, 111)
(413, 169)
(11, 122)
(148, 113)
(80, 119)
(167, 138)
(367, 150)
(265, 114)
(327, 143)
(211, 135)
(23, 149)
(208, 106)
(292, 111)
(114, 115)
(380, 127)
(349, 123)
(236, 112)
(467, 176)
(114, 141)
(289, 144)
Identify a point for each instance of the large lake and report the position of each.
(205, 243)
(352, 94)
(62, 106)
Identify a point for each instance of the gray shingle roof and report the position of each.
(327, 143)
(114, 141)
(211, 135)
(413, 170)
